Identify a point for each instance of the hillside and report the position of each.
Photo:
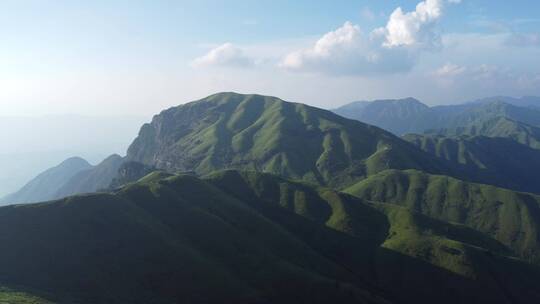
(411, 116)
(73, 176)
(267, 134)
(499, 160)
(296, 141)
(395, 115)
(94, 179)
(249, 238)
(44, 186)
(497, 127)
(511, 217)
(525, 101)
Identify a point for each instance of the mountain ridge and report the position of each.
(44, 186)
(391, 115)
(265, 240)
(255, 132)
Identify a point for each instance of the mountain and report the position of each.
(500, 160)
(525, 101)
(247, 237)
(497, 127)
(32, 144)
(410, 116)
(267, 134)
(94, 179)
(296, 141)
(44, 186)
(513, 218)
(129, 171)
(395, 115)
(73, 176)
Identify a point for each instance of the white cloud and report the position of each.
(225, 55)
(390, 49)
(416, 28)
(347, 51)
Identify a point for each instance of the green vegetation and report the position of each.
(266, 134)
(495, 117)
(498, 127)
(248, 237)
(494, 160)
(398, 116)
(513, 218)
(11, 296)
(182, 224)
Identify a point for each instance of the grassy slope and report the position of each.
(498, 127)
(160, 242)
(261, 133)
(501, 161)
(249, 238)
(14, 296)
(397, 116)
(493, 118)
(508, 216)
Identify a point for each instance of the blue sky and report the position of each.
(136, 57)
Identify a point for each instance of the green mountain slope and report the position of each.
(236, 237)
(410, 116)
(44, 186)
(459, 116)
(499, 160)
(398, 116)
(15, 296)
(497, 127)
(511, 217)
(261, 133)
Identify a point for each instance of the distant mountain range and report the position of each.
(296, 141)
(251, 199)
(31, 144)
(73, 176)
(45, 185)
(409, 115)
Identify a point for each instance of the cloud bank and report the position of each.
(390, 49)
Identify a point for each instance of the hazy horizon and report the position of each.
(108, 58)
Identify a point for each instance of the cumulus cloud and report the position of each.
(225, 55)
(348, 51)
(390, 49)
(414, 28)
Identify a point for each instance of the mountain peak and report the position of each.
(74, 161)
(264, 133)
